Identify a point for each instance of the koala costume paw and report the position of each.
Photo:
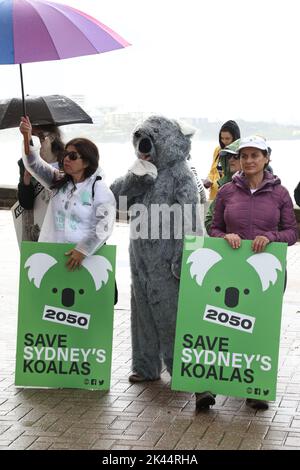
(143, 168)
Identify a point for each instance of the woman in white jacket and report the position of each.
(82, 208)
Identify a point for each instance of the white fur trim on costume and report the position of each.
(143, 167)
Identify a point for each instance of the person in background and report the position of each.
(272, 220)
(51, 150)
(230, 162)
(200, 187)
(229, 132)
(82, 208)
(201, 191)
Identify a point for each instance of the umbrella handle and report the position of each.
(26, 144)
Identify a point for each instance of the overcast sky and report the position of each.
(233, 59)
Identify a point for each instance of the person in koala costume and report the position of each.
(159, 178)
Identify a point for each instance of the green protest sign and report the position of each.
(229, 316)
(65, 321)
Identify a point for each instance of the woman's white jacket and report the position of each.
(83, 214)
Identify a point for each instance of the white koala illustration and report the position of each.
(266, 265)
(40, 263)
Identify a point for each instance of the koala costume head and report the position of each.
(162, 141)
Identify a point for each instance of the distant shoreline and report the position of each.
(113, 127)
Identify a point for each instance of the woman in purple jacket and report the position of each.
(254, 206)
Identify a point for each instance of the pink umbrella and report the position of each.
(35, 31)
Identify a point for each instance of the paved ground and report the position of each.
(140, 416)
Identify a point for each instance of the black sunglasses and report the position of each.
(72, 155)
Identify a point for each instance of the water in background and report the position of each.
(115, 158)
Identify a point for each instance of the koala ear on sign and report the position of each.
(99, 268)
(202, 260)
(266, 266)
(38, 265)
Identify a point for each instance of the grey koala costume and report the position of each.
(160, 176)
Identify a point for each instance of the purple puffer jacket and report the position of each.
(268, 211)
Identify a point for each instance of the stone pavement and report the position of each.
(140, 416)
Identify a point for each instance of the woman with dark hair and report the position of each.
(82, 207)
(253, 206)
(229, 132)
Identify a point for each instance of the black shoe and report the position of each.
(204, 400)
(137, 378)
(257, 404)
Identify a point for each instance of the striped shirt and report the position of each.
(200, 186)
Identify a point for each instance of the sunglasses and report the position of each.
(72, 155)
(235, 157)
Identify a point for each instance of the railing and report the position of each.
(8, 196)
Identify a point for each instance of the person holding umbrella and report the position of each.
(47, 113)
(51, 151)
(82, 208)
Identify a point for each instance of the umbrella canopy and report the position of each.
(57, 110)
(34, 31)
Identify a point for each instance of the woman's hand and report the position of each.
(75, 259)
(259, 243)
(25, 127)
(233, 239)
